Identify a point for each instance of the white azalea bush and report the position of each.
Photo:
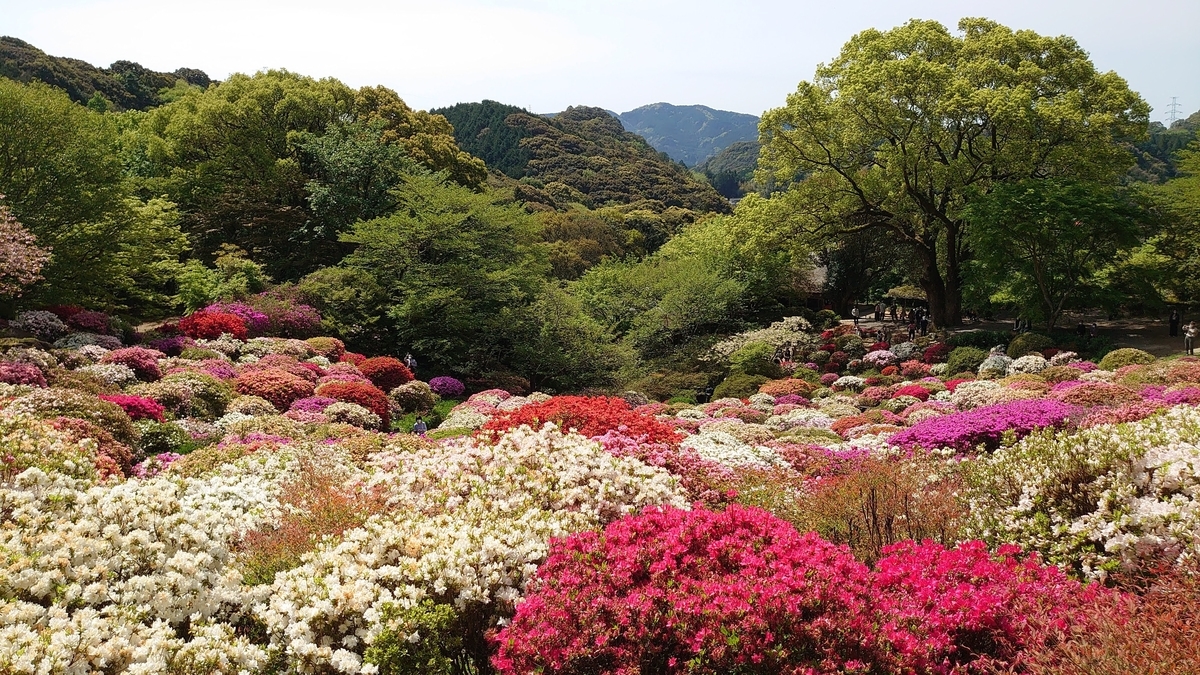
(1097, 500)
(468, 523)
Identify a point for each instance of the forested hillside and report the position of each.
(582, 155)
(731, 171)
(124, 85)
(689, 133)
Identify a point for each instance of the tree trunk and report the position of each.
(953, 282)
(933, 284)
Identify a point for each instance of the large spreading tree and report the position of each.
(896, 133)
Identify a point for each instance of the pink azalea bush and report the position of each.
(137, 407)
(17, 372)
(985, 425)
(143, 362)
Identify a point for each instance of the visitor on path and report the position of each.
(854, 313)
(1174, 322)
(924, 323)
(420, 427)
(1092, 331)
(879, 311)
(410, 363)
(1189, 338)
(1081, 329)
(893, 310)
(912, 330)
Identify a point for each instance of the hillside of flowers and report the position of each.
(231, 493)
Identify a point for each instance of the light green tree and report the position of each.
(896, 131)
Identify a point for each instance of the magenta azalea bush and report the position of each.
(985, 425)
(143, 362)
(256, 322)
(447, 387)
(17, 372)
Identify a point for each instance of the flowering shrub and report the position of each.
(787, 387)
(143, 362)
(699, 592)
(985, 426)
(90, 322)
(1100, 500)
(413, 396)
(256, 322)
(915, 390)
(1093, 393)
(331, 348)
(188, 394)
(366, 395)
(937, 352)
(1125, 357)
(277, 386)
(352, 413)
(211, 325)
(591, 416)
(137, 407)
(285, 316)
(385, 372)
(171, 346)
(253, 406)
(21, 373)
(446, 386)
(1030, 363)
(964, 610)
(55, 402)
(43, 325)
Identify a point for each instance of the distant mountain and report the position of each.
(124, 85)
(689, 133)
(732, 170)
(582, 155)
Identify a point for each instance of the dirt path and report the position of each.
(1146, 333)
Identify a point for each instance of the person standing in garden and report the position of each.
(410, 363)
(854, 313)
(420, 427)
(1189, 338)
(1174, 322)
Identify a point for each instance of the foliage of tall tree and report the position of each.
(60, 170)
(277, 162)
(457, 266)
(1178, 245)
(895, 131)
(1043, 242)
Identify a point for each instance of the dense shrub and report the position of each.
(275, 385)
(51, 403)
(937, 352)
(256, 322)
(980, 339)
(1028, 343)
(675, 591)
(1119, 358)
(90, 322)
(591, 416)
(446, 386)
(986, 425)
(964, 360)
(385, 372)
(366, 395)
(739, 385)
(143, 362)
(287, 317)
(188, 394)
(137, 407)
(413, 396)
(331, 348)
(43, 325)
(211, 325)
(12, 372)
(790, 386)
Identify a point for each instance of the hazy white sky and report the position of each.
(618, 54)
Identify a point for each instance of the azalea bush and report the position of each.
(591, 416)
(385, 372)
(985, 426)
(211, 325)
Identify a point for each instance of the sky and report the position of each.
(545, 55)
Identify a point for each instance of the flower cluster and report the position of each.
(212, 325)
(985, 426)
(590, 416)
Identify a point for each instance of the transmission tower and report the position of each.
(1172, 112)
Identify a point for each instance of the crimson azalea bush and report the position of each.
(256, 322)
(137, 407)
(367, 395)
(90, 322)
(278, 386)
(143, 362)
(385, 372)
(591, 416)
(936, 353)
(914, 390)
(673, 591)
(210, 325)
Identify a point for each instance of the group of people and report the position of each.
(1190, 331)
(916, 318)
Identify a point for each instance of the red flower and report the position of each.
(385, 372)
(210, 325)
(366, 395)
(277, 386)
(591, 416)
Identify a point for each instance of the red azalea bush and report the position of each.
(914, 369)
(787, 387)
(591, 416)
(143, 362)
(308, 371)
(353, 357)
(64, 312)
(740, 590)
(385, 372)
(877, 347)
(277, 386)
(210, 325)
(936, 353)
(19, 372)
(890, 371)
(89, 321)
(914, 390)
(965, 610)
(673, 591)
(137, 407)
(1095, 393)
(367, 395)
